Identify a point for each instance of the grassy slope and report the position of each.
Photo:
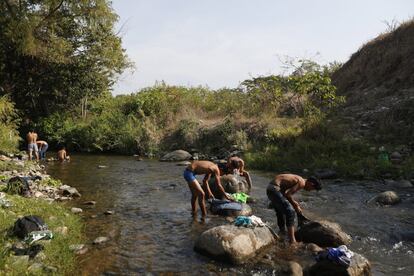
(54, 214)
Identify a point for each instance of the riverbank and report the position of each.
(17, 257)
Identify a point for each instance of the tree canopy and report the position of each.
(56, 53)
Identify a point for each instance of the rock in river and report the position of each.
(359, 266)
(386, 198)
(323, 233)
(177, 155)
(230, 183)
(234, 244)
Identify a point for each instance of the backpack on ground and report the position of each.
(23, 226)
(18, 185)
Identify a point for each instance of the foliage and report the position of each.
(164, 117)
(57, 251)
(306, 92)
(57, 54)
(51, 182)
(9, 137)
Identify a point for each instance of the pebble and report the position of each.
(76, 210)
(91, 202)
(61, 230)
(100, 240)
(109, 212)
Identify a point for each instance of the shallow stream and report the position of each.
(152, 230)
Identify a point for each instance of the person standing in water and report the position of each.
(31, 138)
(198, 192)
(42, 146)
(280, 191)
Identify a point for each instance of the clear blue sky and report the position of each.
(219, 43)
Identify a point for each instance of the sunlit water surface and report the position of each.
(152, 230)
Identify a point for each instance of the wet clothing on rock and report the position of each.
(284, 210)
(217, 206)
(240, 197)
(340, 255)
(249, 221)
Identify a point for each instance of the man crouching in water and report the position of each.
(235, 163)
(280, 191)
(198, 191)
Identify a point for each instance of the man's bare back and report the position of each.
(203, 167)
(31, 137)
(62, 156)
(289, 181)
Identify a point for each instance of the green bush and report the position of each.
(9, 136)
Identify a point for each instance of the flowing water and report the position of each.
(152, 231)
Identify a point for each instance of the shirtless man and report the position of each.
(42, 146)
(236, 164)
(62, 155)
(198, 191)
(31, 138)
(280, 191)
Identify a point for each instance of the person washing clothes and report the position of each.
(236, 165)
(198, 191)
(42, 146)
(280, 191)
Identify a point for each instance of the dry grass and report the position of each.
(383, 61)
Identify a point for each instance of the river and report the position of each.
(152, 230)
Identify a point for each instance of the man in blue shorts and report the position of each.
(198, 191)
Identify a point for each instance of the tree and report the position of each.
(56, 53)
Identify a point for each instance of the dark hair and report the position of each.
(234, 164)
(317, 184)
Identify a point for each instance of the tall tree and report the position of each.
(56, 53)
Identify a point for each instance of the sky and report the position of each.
(220, 43)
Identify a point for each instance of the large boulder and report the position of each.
(234, 244)
(359, 266)
(177, 155)
(231, 184)
(323, 233)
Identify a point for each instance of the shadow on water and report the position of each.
(151, 229)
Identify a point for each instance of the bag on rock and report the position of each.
(23, 226)
(220, 207)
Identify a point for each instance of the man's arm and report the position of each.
(248, 179)
(289, 193)
(207, 186)
(217, 175)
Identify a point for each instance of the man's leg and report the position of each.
(193, 201)
(290, 220)
(246, 175)
(199, 194)
(276, 198)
